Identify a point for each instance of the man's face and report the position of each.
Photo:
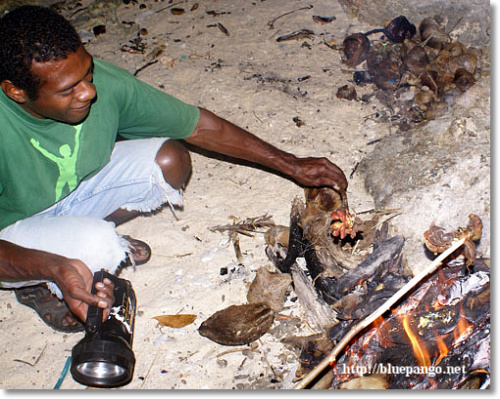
(66, 91)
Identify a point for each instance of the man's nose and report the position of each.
(86, 91)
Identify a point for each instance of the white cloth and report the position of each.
(92, 240)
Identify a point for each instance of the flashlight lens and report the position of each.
(100, 370)
(102, 363)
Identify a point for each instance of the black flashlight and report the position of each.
(104, 357)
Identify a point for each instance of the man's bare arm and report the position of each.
(216, 134)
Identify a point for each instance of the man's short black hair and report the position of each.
(33, 34)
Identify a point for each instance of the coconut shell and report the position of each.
(464, 79)
(238, 324)
(450, 50)
(356, 48)
(269, 288)
(322, 199)
(416, 61)
(435, 110)
(424, 97)
(347, 92)
(432, 33)
(467, 61)
(384, 70)
(277, 235)
(400, 29)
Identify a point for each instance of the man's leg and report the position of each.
(142, 175)
(175, 162)
(89, 239)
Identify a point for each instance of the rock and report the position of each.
(438, 172)
(473, 28)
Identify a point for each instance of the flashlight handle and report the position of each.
(94, 313)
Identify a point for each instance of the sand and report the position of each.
(285, 93)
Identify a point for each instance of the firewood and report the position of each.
(382, 253)
(379, 312)
(317, 310)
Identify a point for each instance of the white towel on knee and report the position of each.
(92, 240)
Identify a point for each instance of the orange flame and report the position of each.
(443, 349)
(436, 305)
(462, 329)
(378, 322)
(421, 354)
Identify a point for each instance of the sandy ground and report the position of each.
(249, 78)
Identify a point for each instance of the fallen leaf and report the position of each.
(176, 320)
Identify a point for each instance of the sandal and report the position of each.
(50, 309)
(54, 311)
(139, 255)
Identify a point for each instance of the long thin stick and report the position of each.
(376, 314)
(272, 21)
(170, 6)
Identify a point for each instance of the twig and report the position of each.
(223, 28)
(454, 26)
(272, 21)
(246, 227)
(260, 120)
(376, 314)
(171, 207)
(264, 357)
(77, 11)
(231, 351)
(169, 6)
(175, 256)
(145, 66)
(36, 360)
(236, 245)
(151, 365)
(354, 170)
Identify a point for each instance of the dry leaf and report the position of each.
(176, 320)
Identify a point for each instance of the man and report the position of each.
(64, 175)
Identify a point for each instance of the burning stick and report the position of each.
(375, 315)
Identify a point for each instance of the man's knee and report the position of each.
(175, 162)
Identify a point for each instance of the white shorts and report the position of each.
(74, 227)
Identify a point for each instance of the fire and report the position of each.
(462, 329)
(378, 322)
(443, 349)
(437, 305)
(421, 354)
(439, 336)
(460, 333)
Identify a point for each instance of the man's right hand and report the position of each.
(72, 276)
(75, 283)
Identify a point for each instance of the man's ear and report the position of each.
(13, 92)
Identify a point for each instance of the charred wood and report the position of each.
(440, 334)
(383, 253)
(296, 243)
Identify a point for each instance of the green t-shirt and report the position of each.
(42, 161)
